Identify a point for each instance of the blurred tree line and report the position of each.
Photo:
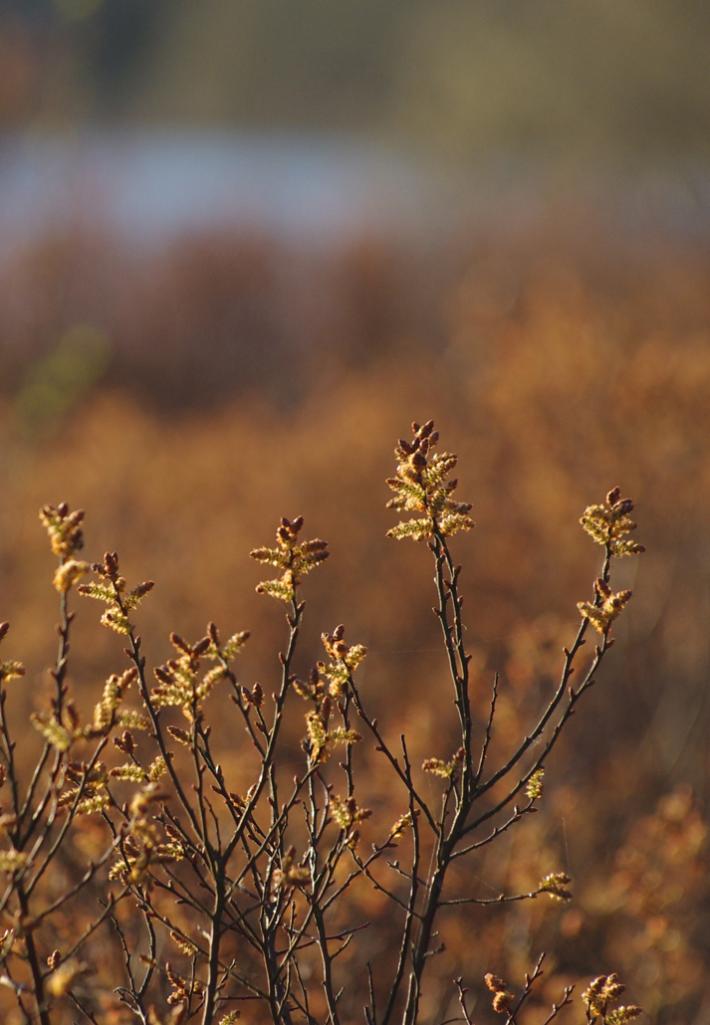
(463, 79)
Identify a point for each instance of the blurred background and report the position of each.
(243, 243)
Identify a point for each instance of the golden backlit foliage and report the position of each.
(553, 375)
(173, 856)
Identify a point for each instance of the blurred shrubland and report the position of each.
(187, 393)
(198, 392)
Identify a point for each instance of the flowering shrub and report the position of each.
(147, 883)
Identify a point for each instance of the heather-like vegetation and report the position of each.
(275, 876)
(555, 376)
(241, 245)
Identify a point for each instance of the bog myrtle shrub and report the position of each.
(153, 876)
